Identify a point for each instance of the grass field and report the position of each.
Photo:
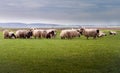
(77, 55)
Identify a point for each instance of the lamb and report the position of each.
(112, 32)
(101, 34)
(90, 32)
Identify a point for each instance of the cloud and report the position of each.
(61, 11)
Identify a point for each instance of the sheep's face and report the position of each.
(29, 34)
(53, 33)
(81, 31)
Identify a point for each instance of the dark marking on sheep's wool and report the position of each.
(13, 35)
(97, 31)
(50, 34)
(81, 31)
(29, 34)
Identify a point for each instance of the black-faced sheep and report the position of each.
(112, 32)
(52, 32)
(90, 32)
(23, 33)
(8, 34)
(11, 35)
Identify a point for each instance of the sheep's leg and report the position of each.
(35, 37)
(94, 37)
(87, 38)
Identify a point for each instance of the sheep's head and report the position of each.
(29, 33)
(81, 31)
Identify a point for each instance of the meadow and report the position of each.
(78, 55)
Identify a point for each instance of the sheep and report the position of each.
(65, 34)
(69, 34)
(90, 32)
(23, 33)
(112, 32)
(101, 34)
(52, 31)
(8, 34)
(12, 35)
(37, 33)
(50, 34)
(44, 34)
(75, 33)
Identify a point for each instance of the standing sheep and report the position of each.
(11, 35)
(52, 31)
(50, 34)
(8, 34)
(23, 33)
(90, 32)
(65, 34)
(69, 34)
(44, 34)
(37, 33)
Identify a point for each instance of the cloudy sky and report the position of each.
(61, 11)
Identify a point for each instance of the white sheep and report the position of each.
(23, 33)
(112, 32)
(90, 32)
(101, 34)
(8, 34)
(69, 33)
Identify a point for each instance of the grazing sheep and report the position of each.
(101, 34)
(11, 35)
(37, 33)
(52, 32)
(8, 34)
(90, 32)
(23, 33)
(112, 32)
(75, 33)
(69, 34)
(65, 34)
(44, 34)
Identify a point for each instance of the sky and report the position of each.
(61, 11)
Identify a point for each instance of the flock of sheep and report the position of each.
(51, 33)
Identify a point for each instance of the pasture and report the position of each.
(78, 55)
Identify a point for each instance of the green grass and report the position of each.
(77, 55)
